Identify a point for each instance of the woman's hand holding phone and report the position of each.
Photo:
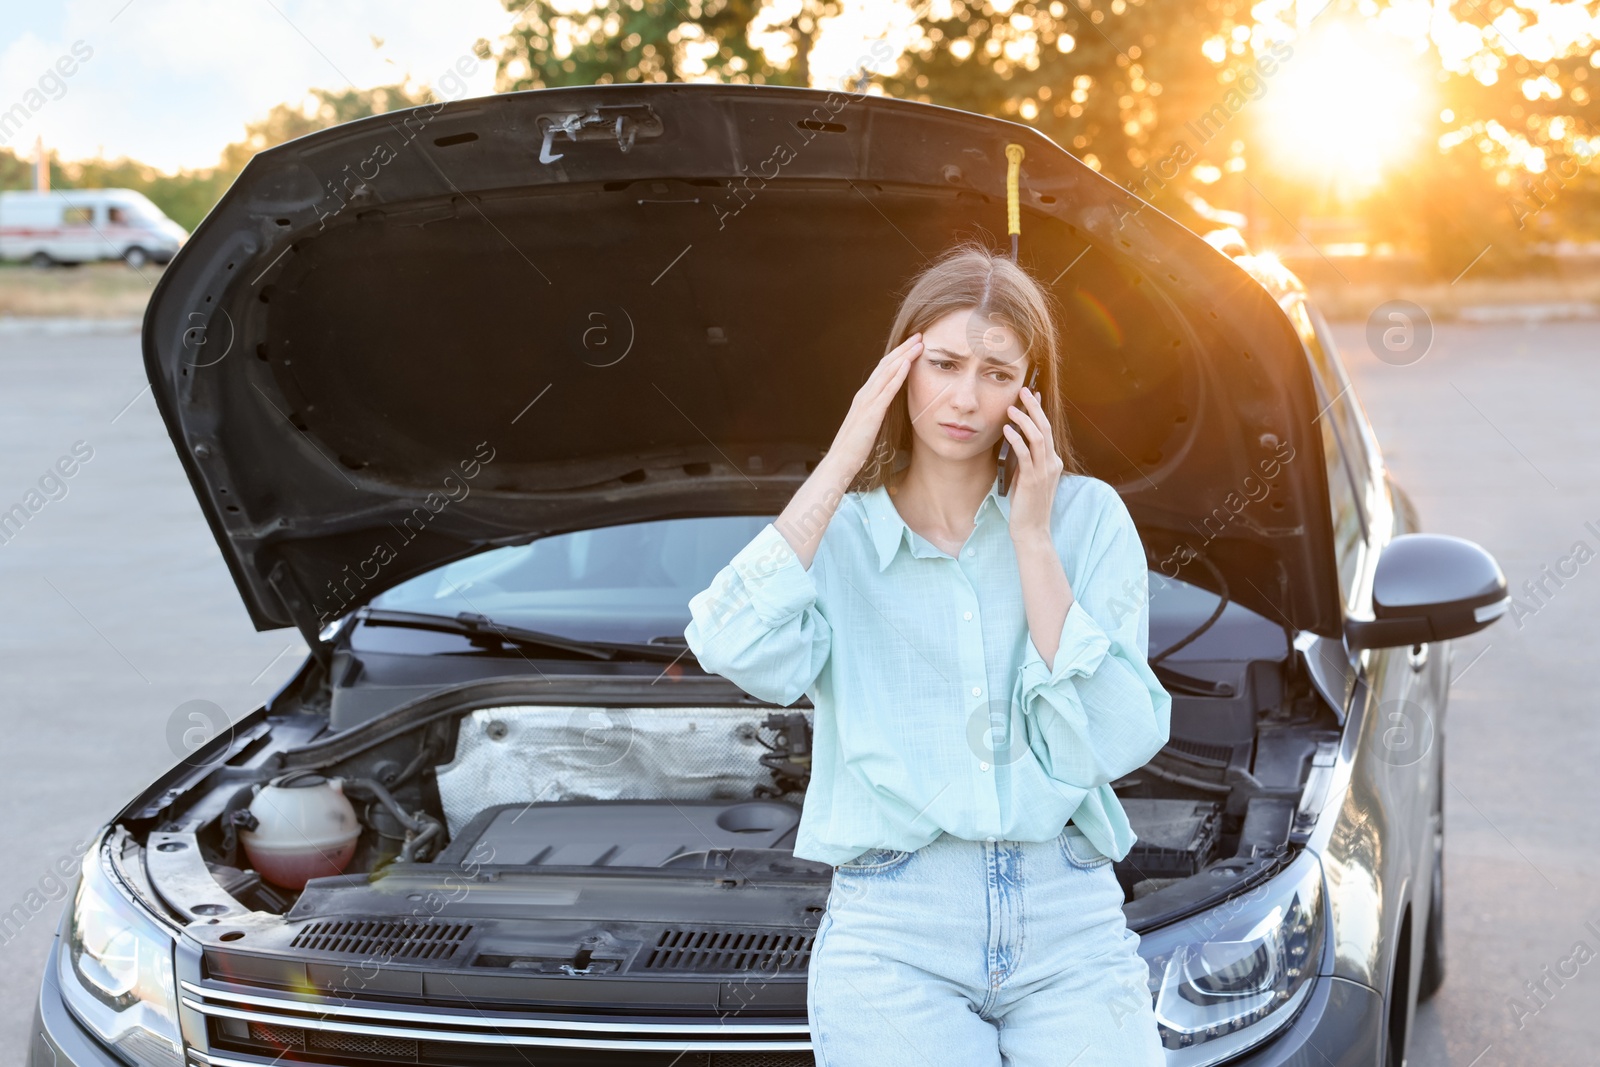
(807, 515)
(1039, 468)
(1008, 457)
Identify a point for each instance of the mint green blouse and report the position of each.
(934, 710)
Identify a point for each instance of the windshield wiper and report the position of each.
(484, 630)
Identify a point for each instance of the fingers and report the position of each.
(1030, 420)
(1051, 463)
(909, 349)
(1033, 429)
(900, 351)
(891, 370)
(1019, 447)
(1023, 423)
(1031, 397)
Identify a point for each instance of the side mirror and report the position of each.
(1430, 587)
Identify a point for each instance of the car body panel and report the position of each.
(1340, 1026)
(1376, 848)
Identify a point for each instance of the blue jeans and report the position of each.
(980, 953)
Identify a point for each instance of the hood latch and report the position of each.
(621, 123)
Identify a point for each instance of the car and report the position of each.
(81, 225)
(476, 396)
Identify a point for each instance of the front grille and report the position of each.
(700, 951)
(290, 1038)
(256, 1028)
(580, 1059)
(389, 1048)
(277, 1036)
(391, 938)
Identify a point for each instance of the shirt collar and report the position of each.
(888, 530)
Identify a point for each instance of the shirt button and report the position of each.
(971, 552)
(976, 691)
(983, 766)
(967, 616)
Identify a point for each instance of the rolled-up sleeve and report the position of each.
(758, 624)
(1099, 712)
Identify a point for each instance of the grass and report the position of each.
(110, 290)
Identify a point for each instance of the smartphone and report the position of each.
(1008, 462)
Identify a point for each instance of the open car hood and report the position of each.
(411, 337)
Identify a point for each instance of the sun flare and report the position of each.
(1350, 103)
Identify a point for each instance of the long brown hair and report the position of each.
(969, 275)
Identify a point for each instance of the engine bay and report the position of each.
(515, 824)
(504, 789)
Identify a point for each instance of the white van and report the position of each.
(77, 225)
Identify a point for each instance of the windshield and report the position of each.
(632, 584)
(629, 583)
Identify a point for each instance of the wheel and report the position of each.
(1433, 941)
(41, 260)
(136, 257)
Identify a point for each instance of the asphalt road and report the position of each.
(118, 609)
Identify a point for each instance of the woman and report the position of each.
(977, 661)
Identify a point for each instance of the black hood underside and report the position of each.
(408, 338)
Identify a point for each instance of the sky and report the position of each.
(170, 82)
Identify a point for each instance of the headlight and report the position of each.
(1233, 976)
(123, 965)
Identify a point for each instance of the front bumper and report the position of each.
(1340, 1026)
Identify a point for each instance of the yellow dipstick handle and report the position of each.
(1013, 169)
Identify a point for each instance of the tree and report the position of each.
(15, 172)
(739, 41)
(1517, 138)
(1153, 93)
(187, 196)
(1112, 80)
(1144, 91)
(1147, 90)
(323, 108)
